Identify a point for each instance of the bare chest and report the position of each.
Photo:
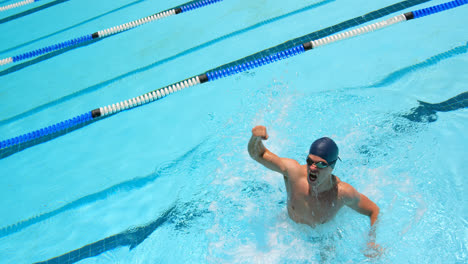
(310, 209)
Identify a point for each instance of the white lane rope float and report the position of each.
(18, 4)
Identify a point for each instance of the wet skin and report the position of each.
(313, 194)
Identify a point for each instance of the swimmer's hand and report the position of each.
(260, 131)
(373, 250)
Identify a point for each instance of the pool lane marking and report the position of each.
(12, 145)
(189, 6)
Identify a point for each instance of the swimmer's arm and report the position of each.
(360, 203)
(262, 155)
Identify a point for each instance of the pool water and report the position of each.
(172, 182)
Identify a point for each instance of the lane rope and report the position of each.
(189, 6)
(14, 5)
(220, 73)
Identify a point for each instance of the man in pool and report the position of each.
(315, 195)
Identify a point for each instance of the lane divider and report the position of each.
(397, 19)
(8, 146)
(22, 3)
(110, 31)
(147, 98)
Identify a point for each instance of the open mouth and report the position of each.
(312, 177)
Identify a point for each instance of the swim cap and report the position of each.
(325, 148)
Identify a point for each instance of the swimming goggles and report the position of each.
(320, 164)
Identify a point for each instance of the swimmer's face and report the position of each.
(318, 170)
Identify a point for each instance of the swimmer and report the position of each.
(315, 195)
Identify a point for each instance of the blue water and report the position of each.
(172, 182)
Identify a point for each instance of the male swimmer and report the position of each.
(315, 195)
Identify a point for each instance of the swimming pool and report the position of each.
(172, 182)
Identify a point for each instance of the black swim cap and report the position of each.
(325, 148)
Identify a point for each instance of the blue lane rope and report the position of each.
(51, 48)
(110, 31)
(18, 4)
(47, 130)
(212, 75)
(197, 4)
(438, 8)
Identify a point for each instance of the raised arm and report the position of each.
(261, 154)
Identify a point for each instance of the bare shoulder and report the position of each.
(346, 192)
(292, 166)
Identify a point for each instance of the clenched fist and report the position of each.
(260, 131)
